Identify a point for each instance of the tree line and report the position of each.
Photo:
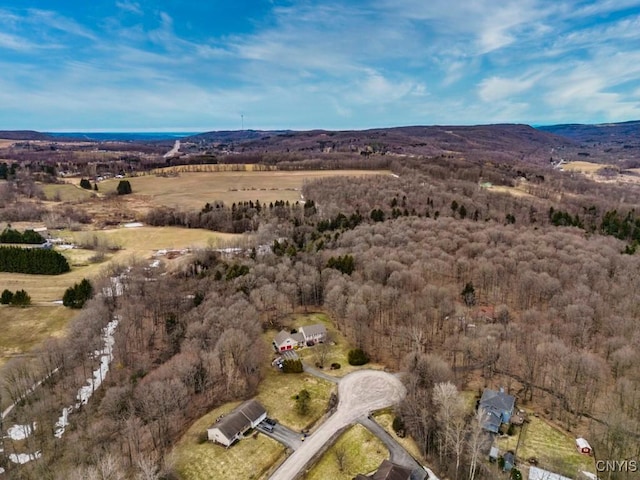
(29, 236)
(39, 261)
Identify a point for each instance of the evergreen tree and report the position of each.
(85, 183)
(124, 187)
(6, 297)
(21, 299)
(77, 296)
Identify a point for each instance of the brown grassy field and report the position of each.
(192, 190)
(584, 167)
(248, 459)
(363, 453)
(144, 240)
(135, 243)
(24, 328)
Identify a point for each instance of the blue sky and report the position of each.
(194, 66)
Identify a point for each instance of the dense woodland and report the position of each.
(457, 285)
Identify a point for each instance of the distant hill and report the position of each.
(501, 142)
(605, 132)
(226, 136)
(24, 135)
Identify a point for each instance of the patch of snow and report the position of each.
(57, 302)
(23, 458)
(590, 475)
(116, 288)
(1, 470)
(20, 432)
(155, 264)
(85, 392)
(430, 474)
(62, 422)
(395, 176)
(133, 225)
(66, 246)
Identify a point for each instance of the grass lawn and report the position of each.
(66, 192)
(191, 190)
(24, 328)
(554, 449)
(385, 419)
(276, 393)
(248, 459)
(338, 351)
(363, 452)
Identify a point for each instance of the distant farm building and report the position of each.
(232, 427)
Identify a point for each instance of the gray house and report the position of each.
(498, 407)
(231, 427)
(314, 333)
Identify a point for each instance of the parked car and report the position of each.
(270, 421)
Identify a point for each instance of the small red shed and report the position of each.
(583, 446)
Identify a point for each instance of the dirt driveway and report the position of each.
(360, 393)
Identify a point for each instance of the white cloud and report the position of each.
(499, 88)
(130, 7)
(13, 42)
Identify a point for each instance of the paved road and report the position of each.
(360, 393)
(320, 374)
(398, 454)
(284, 435)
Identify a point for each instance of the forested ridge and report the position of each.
(428, 272)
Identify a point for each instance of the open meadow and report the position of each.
(584, 167)
(66, 192)
(24, 328)
(356, 451)
(191, 190)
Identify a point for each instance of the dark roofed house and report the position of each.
(498, 407)
(231, 427)
(388, 471)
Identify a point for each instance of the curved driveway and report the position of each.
(360, 393)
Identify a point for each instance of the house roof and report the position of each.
(240, 419)
(252, 410)
(391, 471)
(312, 330)
(283, 336)
(494, 403)
(492, 399)
(536, 473)
(492, 421)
